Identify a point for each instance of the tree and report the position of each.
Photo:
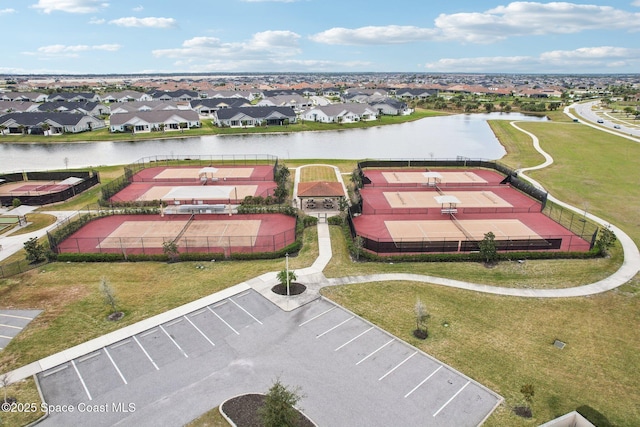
(170, 249)
(488, 249)
(528, 392)
(110, 299)
(282, 277)
(606, 239)
(358, 244)
(36, 252)
(422, 316)
(279, 409)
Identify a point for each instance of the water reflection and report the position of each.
(434, 137)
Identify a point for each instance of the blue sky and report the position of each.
(198, 36)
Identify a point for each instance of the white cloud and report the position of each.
(96, 21)
(60, 50)
(391, 34)
(592, 58)
(264, 45)
(502, 22)
(635, 3)
(139, 8)
(530, 18)
(70, 6)
(150, 22)
(7, 11)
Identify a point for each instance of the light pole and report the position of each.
(287, 270)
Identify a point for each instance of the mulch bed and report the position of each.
(294, 288)
(243, 411)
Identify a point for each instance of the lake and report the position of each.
(466, 135)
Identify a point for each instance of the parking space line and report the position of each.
(423, 381)
(452, 397)
(149, 332)
(201, 333)
(221, 303)
(173, 341)
(173, 322)
(4, 336)
(88, 356)
(197, 313)
(315, 317)
(223, 321)
(337, 326)
(145, 352)
(353, 339)
(81, 380)
(397, 366)
(114, 365)
(375, 351)
(55, 371)
(15, 316)
(11, 326)
(242, 308)
(243, 294)
(121, 343)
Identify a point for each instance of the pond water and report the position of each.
(434, 137)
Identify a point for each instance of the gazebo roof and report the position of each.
(320, 189)
(447, 199)
(436, 175)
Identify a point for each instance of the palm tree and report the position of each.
(2, 129)
(45, 127)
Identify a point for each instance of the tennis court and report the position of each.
(36, 188)
(435, 230)
(147, 234)
(427, 199)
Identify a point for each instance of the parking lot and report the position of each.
(351, 372)
(12, 322)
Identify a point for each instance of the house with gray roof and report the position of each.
(254, 116)
(415, 93)
(24, 96)
(90, 108)
(206, 107)
(340, 113)
(74, 97)
(134, 106)
(125, 96)
(214, 93)
(36, 123)
(295, 101)
(176, 95)
(391, 107)
(17, 106)
(156, 120)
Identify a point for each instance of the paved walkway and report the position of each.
(314, 279)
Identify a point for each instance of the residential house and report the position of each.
(216, 93)
(207, 106)
(57, 123)
(254, 116)
(295, 101)
(176, 95)
(415, 93)
(17, 106)
(24, 96)
(74, 97)
(135, 106)
(91, 108)
(340, 113)
(391, 107)
(125, 96)
(156, 120)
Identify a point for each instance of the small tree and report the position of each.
(279, 409)
(488, 249)
(16, 202)
(170, 249)
(36, 252)
(422, 316)
(358, 244)
(606, 239)
(4, 381)
(110, 299)
(282, 277)
(528, 392)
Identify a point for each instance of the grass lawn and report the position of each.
(36, 221)
(317, 173)
(502, 342)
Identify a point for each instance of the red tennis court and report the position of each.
(450, 211)
(146, 234)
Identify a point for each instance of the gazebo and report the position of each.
(448, 204)
(205, 172)
(320, 195)
(433, 178)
